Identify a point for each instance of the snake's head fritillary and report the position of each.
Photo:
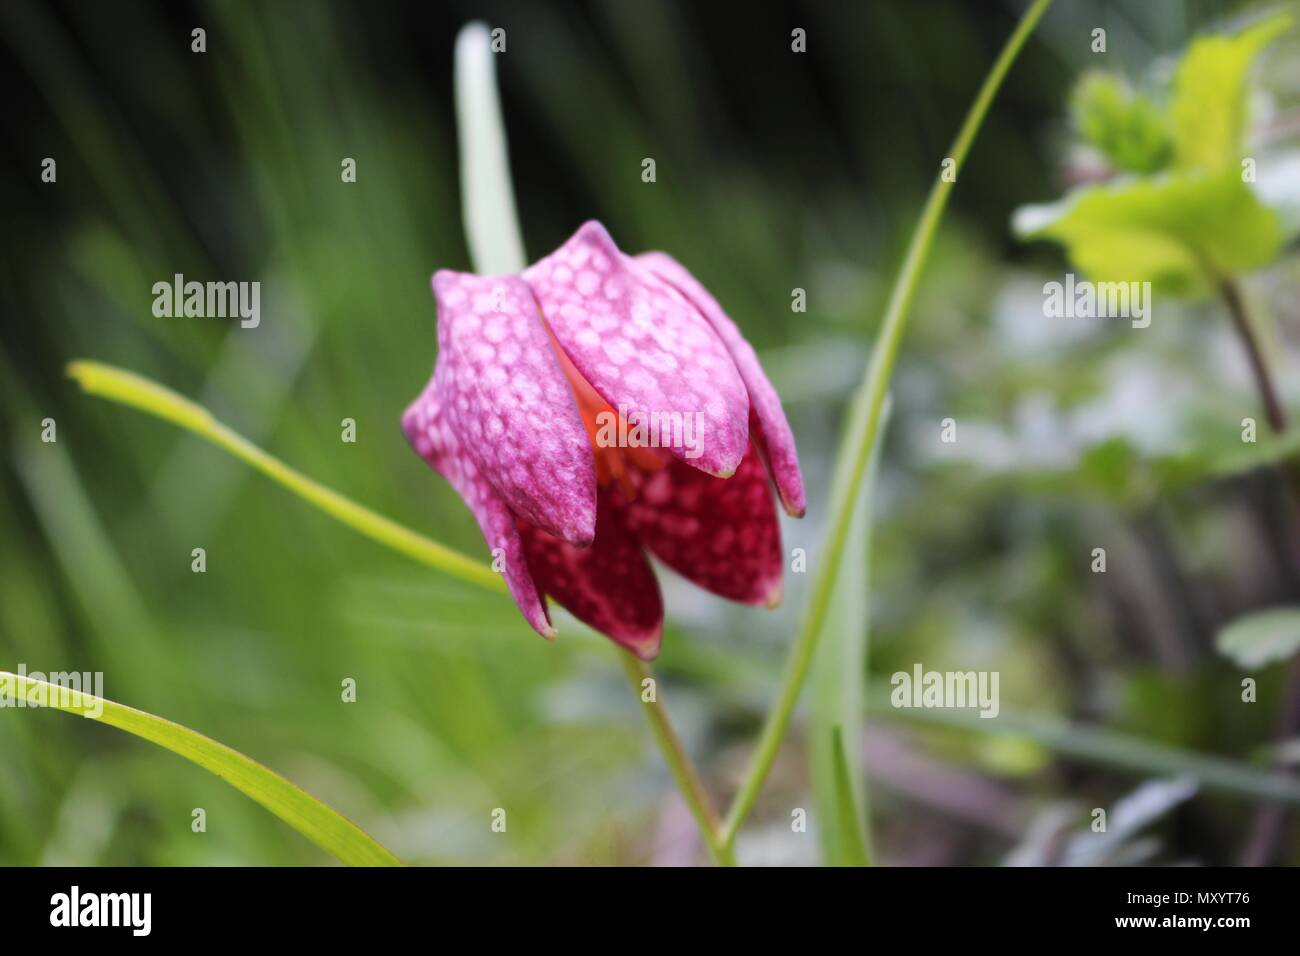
(595, 407)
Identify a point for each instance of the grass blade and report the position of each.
(1097, 745)
(136, 391)
(864, 423)
(851, 848)
(327, 828)
(839, 670)
(487, 196)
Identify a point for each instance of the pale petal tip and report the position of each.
(595, 229)
(795, 508)
(409, 424)
(644, 646)
(540, 621)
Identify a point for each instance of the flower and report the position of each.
(597, 406)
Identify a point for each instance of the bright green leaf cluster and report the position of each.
(1190, 218)
(1128, 128)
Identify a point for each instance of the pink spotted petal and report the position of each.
(642, 346)
(609, 586)
(510, 405)
(720, 533)
(431, 435)
(773, 435)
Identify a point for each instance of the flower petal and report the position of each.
(431, 435)
(774, 438)
(609, 586)
(642, 346)
(510, 405)
(721, 533)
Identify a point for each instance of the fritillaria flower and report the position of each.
(599, 406)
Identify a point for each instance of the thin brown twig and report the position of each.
(1270, 819)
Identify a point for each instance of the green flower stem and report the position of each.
(496, 246)
(679, 762)
(140, 393)
(865, 421)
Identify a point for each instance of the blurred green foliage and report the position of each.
(1201, 222)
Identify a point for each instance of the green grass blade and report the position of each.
(140, 393)
(838, 672)
(327, 828)
(851, 848)
(1096, 745)
(487, 196)
(865, 418)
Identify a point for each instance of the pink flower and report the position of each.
(531, 414)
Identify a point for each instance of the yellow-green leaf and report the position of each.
(1209, 109)
(1179, 232)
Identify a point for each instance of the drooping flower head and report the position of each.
(595, 407)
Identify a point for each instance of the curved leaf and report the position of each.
(138, 392)
(1209, 110)
(1178, 232)
(327, 828)
(851, 850)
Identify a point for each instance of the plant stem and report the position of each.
(865, 421)
(1277, 417)
(679, 762)
(1270, 819)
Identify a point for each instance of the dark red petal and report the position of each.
(721, 533)
(609, 585)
